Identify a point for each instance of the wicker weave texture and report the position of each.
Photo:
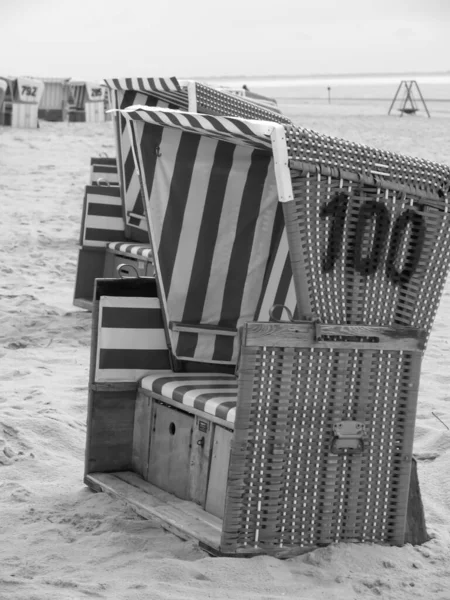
(311, 147)
(286, 488)
(211, 101)
(366, 254)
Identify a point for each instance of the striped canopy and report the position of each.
(211, 196)
(174, 94)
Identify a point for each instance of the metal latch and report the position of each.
(348, 436)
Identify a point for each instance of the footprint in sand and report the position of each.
(12, 448)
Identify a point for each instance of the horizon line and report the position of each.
(317, 75)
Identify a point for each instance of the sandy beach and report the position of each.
(58, 539)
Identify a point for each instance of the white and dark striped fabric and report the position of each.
(101, 174)
(278, 286)
(211, 206)
(229, 129)
(78, 95)
(132, 197)
(131, 339)
(102, 216)
(143, 250)
(168, 89)
(213, 394)
(167, 93)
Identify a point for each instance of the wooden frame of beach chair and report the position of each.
(299, 451)
(161, 93)
(291, 377)
(21, 102)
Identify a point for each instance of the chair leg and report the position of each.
(416, 531)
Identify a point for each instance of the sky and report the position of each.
(94, 39)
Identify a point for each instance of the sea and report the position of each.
(372, 93)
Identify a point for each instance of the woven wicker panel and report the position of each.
(364, 253)
(286, 488)
(311, 147)
(211, 101)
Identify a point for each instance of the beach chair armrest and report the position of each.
(178, 326)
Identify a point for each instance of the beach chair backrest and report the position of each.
(368, 231)
(128, 340)
(163, 93)
(102, 218)
(211, 201)
(174, 94)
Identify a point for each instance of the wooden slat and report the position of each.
(185, 519)
(169, 457)
(110, 430)
(83, 303)
(212, 329)
(141, 434)
(200, 459)
(302, 335)
(217, 485)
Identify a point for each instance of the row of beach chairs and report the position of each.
(257, 389)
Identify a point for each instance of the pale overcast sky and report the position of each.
(92, 39)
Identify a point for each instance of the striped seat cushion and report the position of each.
(144, 250)
(214, 394)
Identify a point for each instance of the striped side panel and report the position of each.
(278, 286)
(131, 340)
(210, 260)
(104, 173)
(214, 394)
(132, 197)
(102, 216)
(104, 160)
(237, 131)
(143, 250)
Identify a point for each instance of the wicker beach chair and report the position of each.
(312, 441)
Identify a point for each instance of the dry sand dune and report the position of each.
(58, 540)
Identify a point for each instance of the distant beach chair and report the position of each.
(53, 104)
(86, 102)
(162, 93)
(20, 102)
(310, 440)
